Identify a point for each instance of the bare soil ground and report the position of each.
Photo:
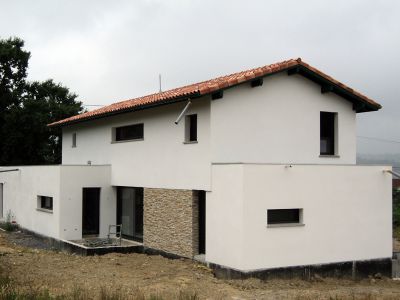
(30, 265)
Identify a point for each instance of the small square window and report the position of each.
(191, 128)
(45, 202)
(284, 216)
(74, 140)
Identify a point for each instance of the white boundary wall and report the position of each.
(347, 213)
(20, 191)
(64, 184)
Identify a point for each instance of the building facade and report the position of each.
(253, 171)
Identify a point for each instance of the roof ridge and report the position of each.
(205, 81)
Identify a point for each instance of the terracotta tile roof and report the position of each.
(209, 87)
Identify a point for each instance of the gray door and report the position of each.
(1, 201)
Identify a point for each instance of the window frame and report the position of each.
(332, 137)
(73, 140)
(115, 134)
(191, 129)
(42, 205)
(285, 223)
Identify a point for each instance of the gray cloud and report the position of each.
(108, 51)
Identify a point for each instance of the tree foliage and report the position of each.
(396, 208)
(27, 108)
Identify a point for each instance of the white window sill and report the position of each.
(191, 142)
(126, 141)
(49, 211)
(285, 225)
(329, 156)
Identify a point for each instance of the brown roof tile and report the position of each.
(207, 87)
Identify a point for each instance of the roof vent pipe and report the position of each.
(395, 174)
(183, 112)
(10, 170)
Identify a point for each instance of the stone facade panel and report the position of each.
(171, 221)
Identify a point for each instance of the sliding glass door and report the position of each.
(130, 212)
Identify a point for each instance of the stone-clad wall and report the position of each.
(171, 221)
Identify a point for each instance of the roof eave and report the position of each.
(360, 102)
(126, 110)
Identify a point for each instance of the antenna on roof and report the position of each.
(159, 80)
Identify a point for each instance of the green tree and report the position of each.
(27, 108)
(396, 207)
(13, 72)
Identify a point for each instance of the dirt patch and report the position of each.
(20, 238)
(61, 273)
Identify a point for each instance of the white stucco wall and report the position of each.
(161, 160)
(279, 122)
(64, 184)
(347, 214)
(20, 191)
(73, 180)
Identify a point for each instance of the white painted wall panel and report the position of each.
(73, 180)
(347, 215)
(275, 123)
(20, 190)
(224, 217)
(161, 160)
(64, 184)
(279, 122)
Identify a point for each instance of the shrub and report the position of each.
(10, 224)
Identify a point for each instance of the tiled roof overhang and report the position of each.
(360, 102)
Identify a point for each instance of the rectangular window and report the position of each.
(131, 132)
(45, 202)
(1, 200)
(74, 140)
(284, 216)
(327, 133)
(191, 128)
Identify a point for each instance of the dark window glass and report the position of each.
(46, 202)
(192, 128)
(73, 140)
(283, 216)
(131, 132)
(327, 133)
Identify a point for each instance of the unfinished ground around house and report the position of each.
(31, 266)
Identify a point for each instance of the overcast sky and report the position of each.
(107, 51)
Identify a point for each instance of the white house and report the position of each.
(259, 173)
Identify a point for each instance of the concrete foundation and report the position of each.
(350, 269)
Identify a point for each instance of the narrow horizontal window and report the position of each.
(45, 202)
(131, 132)
(284, 216)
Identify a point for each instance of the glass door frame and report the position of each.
(138, 193)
